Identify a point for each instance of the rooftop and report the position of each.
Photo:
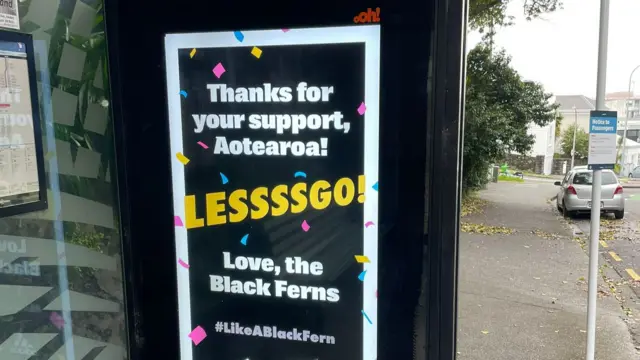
(621, 95)
(581, 102)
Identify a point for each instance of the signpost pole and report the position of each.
(597, 181)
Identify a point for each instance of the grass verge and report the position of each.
(510, 179)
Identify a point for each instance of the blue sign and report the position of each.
(603, 127)
(603, 122)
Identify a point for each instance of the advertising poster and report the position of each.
(274, 143)
(9, 17)
(19, 177)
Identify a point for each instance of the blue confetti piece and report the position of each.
(239, 35)
(362, 274)
(224, 179)
(300, 174)
(183, 93)
(375, 186)
(366, 317)
(244, 239)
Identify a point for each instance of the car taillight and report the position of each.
(618, 190)
(572, 190)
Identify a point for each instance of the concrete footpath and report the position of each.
(523, 295)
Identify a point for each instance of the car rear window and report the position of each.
(586, 178)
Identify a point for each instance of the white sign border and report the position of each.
(367, 34)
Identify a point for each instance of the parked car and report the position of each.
(574, 195)
(581, 167)
(635, 173)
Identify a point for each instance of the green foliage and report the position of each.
(582, 142)
(486, 14)
(559, 119)
(500, 106)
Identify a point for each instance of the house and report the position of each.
(575, 109)
(542, 150)
(544, 145)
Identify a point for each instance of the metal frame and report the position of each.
(447, 116)
(432, 147)
(42, 202)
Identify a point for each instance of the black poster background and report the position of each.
(336, 233)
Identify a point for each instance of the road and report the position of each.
(620, 239)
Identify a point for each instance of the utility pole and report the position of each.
(597, 186)
(626, 122)
(575, 129)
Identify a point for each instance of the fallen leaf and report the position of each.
(545, 235)
(472, 204)
(484, 229)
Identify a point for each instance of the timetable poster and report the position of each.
(274, 142)
(19, 178)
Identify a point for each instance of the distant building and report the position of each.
(631, 158)
(628, 107)
(544, 143)
(545, 137)
(575, 107)
(625, 103)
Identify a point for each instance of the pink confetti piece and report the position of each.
(285, 30)
(183, 264)
(369, 223)
(218, 70)
(56, 320)
(204, 146)
(362, 108)
(178, 221)
(197, 335)
(305, 226)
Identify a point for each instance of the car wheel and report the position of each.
(619, 214)
(566, 213)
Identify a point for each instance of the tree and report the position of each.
(487, 14)
(559, 119)
(500, 106)
(582, 142)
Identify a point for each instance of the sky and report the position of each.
(561, 50)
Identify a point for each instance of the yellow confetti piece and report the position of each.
(604, 244)
(362, 259)
(485, 332)
(256, 52)
(183, 159)
(192, 53)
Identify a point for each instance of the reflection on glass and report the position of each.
(61, 292)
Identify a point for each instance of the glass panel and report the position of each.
(61, 291)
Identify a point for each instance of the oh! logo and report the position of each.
(368, 16)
